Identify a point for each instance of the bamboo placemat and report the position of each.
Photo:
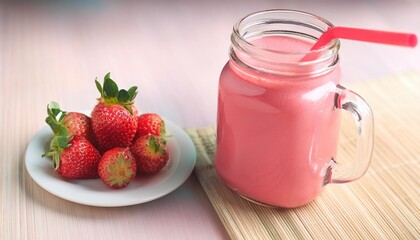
(384, 204)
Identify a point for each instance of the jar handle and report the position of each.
(363, 117)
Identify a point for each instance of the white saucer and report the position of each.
(94, 192)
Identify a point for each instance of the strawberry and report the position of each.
(150, 123)
(117, 167)
(150, 153)
(73, 157)
(113, 121)
(76, 123)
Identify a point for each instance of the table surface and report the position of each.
(174, 51)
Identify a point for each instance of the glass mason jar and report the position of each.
(279, 111)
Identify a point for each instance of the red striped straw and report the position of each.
(364, 35)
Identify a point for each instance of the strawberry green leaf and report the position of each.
(120, 171)
(53, 148)
(62, 142)
(55, 108)
(123, 96)
(111, 94)
(128, 108)
(163, 129)
(154, 144)
(110, 88)
(54, 105)
(132, 92)
(53, 111)
(49, 112)
(52, 122)
(61, 130)
(63, 114)
(99, 87)
(133, 96)
(57, 145)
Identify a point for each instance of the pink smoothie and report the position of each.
(276, 135)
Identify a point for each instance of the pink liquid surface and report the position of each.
(276, 136)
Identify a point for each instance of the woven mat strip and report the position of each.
(384, 204)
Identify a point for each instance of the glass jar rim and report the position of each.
(334, 44)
